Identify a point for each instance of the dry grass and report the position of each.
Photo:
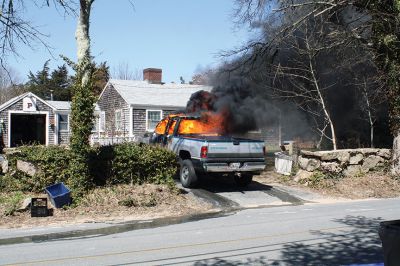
(115, 204)
(371, 185)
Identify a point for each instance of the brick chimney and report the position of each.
(152, 75)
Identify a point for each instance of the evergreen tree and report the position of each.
(58, 83)
(101, 76)
(61, 83)
(39, 83)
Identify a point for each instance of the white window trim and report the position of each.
(131, 121)
(27, 113)
(95, 115)
(58, 122)
(102, 116)
(147, 121)
(115, 120)
(98, 115)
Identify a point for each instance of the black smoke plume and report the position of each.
(244, 105)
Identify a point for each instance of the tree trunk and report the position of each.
(321, 99)
(372, 134)
(369, 113)
(83, 40)
(396, 155)
(82, 106)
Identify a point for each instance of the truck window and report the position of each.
(160, 128)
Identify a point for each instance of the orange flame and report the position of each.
(210, 123)
(160, 128)
(162, 125)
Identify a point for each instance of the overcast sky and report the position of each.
(179, 36)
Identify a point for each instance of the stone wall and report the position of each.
(346, 162)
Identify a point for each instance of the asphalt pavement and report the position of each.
(223, 194)
(342, 233)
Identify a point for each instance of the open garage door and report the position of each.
(27, 129)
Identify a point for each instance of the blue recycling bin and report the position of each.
(59, 195)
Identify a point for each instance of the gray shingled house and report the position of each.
(126, 109)
(133, 107)
(28, 119)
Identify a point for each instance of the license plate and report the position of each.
(234, 165)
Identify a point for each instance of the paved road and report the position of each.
(225, 192)
(311, 234)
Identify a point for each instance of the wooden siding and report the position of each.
(18, 106)
(139, 121)
(63, 137)
(109, 102)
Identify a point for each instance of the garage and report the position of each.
(27, 119)
(27, 129)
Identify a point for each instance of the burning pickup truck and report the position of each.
(202, 149)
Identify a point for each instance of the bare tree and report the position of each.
(370, 24)
(299, 80)
(124, 72)
(373, 95)
(202, 77)
(14, 28)
(9, 88)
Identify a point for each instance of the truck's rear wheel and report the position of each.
(243, 179)
(187, 174)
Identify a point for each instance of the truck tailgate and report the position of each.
(235, 149)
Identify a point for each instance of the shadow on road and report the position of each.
(226, 184)
(361, 245)
(218, 184)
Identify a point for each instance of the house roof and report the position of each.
(60, 105)
(55, 105)
(142, 93)
(19, 97)
(66, 106)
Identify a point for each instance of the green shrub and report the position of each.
(126, 163)
(316, 178)
(320, 179)
(137, 164)
(52, 163)
(100, 161)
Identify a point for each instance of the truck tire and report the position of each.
(187, 174)
(243, 179)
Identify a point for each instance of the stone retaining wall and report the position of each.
(346, 162)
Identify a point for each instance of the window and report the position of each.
(99, 122)
(153, 117)
(102, 121)
(95, 124)
(118, 120)
(63, 122)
